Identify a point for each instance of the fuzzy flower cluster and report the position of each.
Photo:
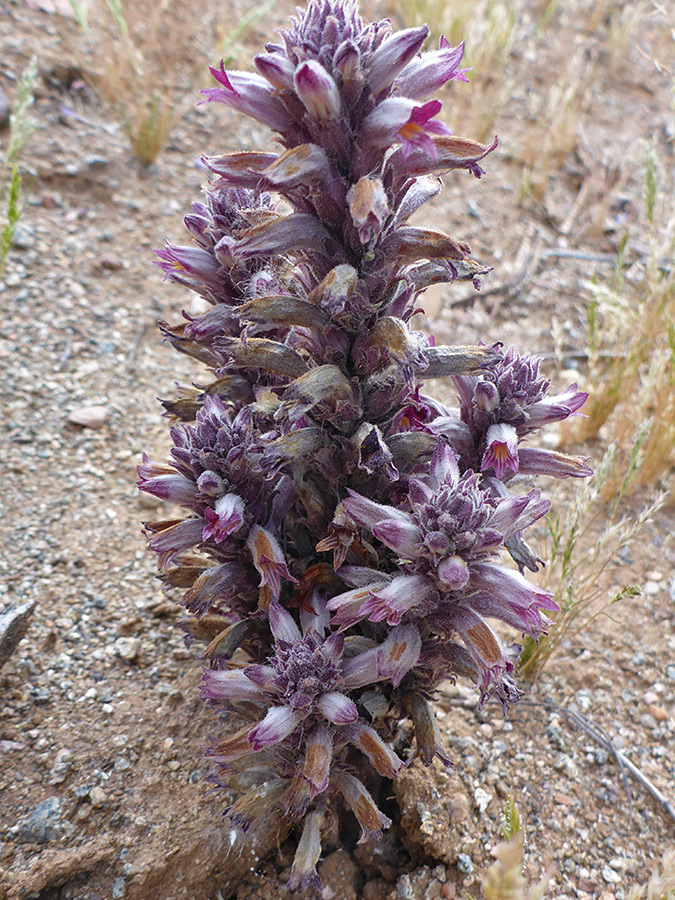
(345, 540)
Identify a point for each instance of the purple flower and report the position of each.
(340, 550)
(502, 407)
(227, 517)
(429, 72)
(392, 56)
(305, 686)
(443, 545)
(400, 119)
(318, 91)
(249, 94)
(501, 450)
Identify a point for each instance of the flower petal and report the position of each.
(268, 558)
(317, 91)
(337, 707)
(403, 537)
(303, 870)
(391, 661)
(427, 734)
(367, 512)
(392, 56)
(318, 759)
(397, 598)
(536, 461)
(283, 625)
(279, 722)
(229, 685)
(227, 518)
(383, 758)
(371, 820)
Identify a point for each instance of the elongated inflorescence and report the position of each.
(346, 536)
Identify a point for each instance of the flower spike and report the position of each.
(343, 542)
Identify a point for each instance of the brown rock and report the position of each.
(380, 858)
(98, 797)
(55, 868)
(459, 807)
(376, 890)
(429, 799)
(338, 874)
(110, 262)
(659, 713)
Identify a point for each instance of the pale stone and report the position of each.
(89, 416)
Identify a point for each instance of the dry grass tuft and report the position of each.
(661, 885)
(555, 129)
(631, 346)
(155, 59)
(20, 129)
(147, 44)
(504, 879)
(583, 542)
(488, 28)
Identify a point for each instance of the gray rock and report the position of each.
(464, 864)
(610, 876)
(119, 889)
(5, 110)
(404, 889)
(13, 625)
(43, 824)
(23, 237)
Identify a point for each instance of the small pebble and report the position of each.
(464, 864)
(482, 799)
(89, 416)
(119, 889)
(98, 797)
(127, 648)
(110, 262)
(610, 876)
(43, 824)
(23, 237)
(404, 888)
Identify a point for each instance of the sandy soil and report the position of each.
(103, 791)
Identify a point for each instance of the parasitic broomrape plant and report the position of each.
(345, 539)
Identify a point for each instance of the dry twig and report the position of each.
(596, 733)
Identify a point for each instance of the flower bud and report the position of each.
(368, 206)
(318, 92)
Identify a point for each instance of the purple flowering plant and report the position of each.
(346, 536)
